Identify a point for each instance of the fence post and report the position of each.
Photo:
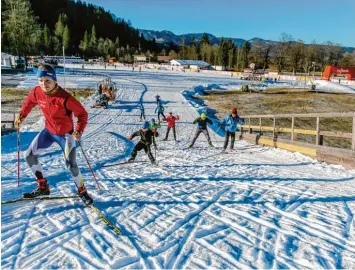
(353, 140)
(250, 130)
(260, 125)
(293, 129)
(274, 126)
(319, 140)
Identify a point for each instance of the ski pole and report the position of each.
(18, 155)
(192, 130)
(6, 169)
(215, 139)
(82, 149)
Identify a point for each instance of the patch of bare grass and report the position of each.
(290, 101)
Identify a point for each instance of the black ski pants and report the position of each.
(232, 135)
(154, 142)
(160, 113)
(142, 116)
(146, 147)
(198, 132)
(167, 133)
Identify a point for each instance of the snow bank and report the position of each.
(333, 87)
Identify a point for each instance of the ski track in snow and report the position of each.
(252, 208)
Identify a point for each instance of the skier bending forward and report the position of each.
(57, 107)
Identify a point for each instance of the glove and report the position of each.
(154, 130)
(77, 135)
(19, 119)
(130, 138)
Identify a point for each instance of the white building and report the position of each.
(140, 58)
(8, 60)
(193, 64)
(220, 68)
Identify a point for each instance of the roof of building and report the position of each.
(4, 55)
(163, 57)
(192, 62)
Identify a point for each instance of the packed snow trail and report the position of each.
(252, 208)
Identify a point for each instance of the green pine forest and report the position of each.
(44, 27)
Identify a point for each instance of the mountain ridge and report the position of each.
(166, 36)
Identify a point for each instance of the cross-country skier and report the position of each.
(157, 99)
(141, 108)
(154, 128)
(202, 122)
(160, 110)
(230, 125)
(171, 125)
(145, 142)
(102, 101)
(58, 108)
(107, 92)
(99, 90)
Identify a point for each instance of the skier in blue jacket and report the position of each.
(229, 124)
(141, 108)
(160, 110)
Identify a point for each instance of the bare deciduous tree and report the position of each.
(297, 51)
(282, 50)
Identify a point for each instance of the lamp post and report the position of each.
(314, 68)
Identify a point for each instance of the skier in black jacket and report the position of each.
(202, 127)
(144, 143)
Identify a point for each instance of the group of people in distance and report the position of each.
(58, 108)
(148, 132)
(104, 94)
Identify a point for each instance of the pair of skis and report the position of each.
(130, 162)
(123, 163)
(93, 208)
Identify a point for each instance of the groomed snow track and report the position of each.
(252, 208)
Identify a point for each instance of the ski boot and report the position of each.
(42, 189)
(131, 159)
(84, 195)
(230, 150)
(154, 163)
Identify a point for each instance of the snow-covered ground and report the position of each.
(252, 208)
(332, 87)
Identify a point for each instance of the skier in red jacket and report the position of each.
(57, 107)
(171, 125)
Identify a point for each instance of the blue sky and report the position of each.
(320, 20)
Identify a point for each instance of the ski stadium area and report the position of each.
(255, 207)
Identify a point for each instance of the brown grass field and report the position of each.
(290, 101)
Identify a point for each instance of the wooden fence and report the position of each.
(317, 149)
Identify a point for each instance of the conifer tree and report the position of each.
(93, 41)
(84, 43)
(47, 38)
(66, 37)
(205, 39)
(245, 52)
